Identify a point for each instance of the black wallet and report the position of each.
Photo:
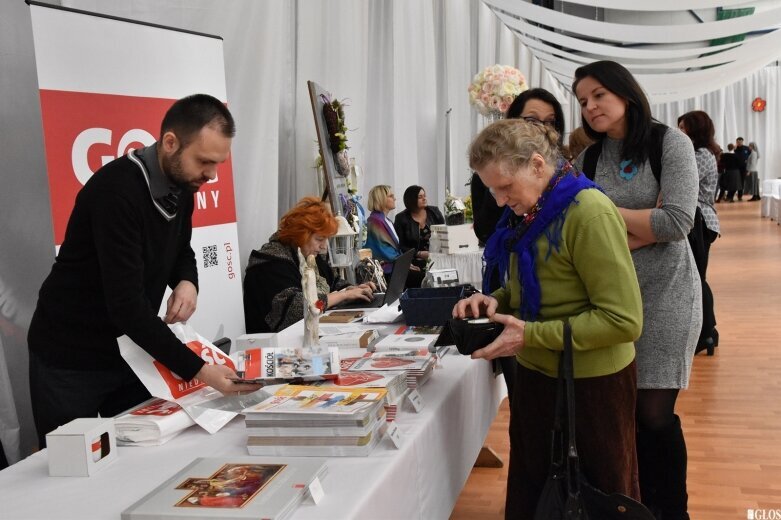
(472, 334)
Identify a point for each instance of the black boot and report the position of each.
(648, 470)
(671, 496)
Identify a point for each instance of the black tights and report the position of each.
(656, 408)
(661, 454)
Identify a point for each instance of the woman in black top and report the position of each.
(413, 224)
(536, 105)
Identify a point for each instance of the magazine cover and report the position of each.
(235, 488)
(390, 363)
(257, 364)
(305, 400)
(406, 341)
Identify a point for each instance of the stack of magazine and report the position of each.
(395, 383)
(311, 421)
(231, 488)
(417, 363)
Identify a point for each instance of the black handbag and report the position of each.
(567, 495)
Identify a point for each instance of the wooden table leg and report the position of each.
(487, 458)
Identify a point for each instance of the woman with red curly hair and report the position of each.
(273, 299)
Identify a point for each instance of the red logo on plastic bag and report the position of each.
(159, 407)
(178, 386)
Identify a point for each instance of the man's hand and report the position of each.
(509, 342)
(221, 378)
(181, 303)
(475, 306)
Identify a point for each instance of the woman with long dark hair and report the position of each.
(535, 105)
(658, 217)
(413, 225)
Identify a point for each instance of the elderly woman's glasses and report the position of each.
(548, 122)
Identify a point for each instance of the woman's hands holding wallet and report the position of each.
(497, 335)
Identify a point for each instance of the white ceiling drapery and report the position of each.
(671, 57)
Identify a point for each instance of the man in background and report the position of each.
(742, 152)
(128, 237)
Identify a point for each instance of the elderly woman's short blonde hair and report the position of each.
(377, 196)
(512, 142)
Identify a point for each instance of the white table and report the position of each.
(469, 265)
(771, 199)
(422, 480)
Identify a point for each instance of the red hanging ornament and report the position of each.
(758, 105)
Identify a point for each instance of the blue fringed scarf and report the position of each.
(547, 216)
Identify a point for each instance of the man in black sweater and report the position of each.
(128, 237)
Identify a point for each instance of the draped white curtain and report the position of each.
(399, 65)
(730, 109)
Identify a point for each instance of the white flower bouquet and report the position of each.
(494, 89)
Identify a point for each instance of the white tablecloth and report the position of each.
(420, 481)
(771, 199)
(469, 265)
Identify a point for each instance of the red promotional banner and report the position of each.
(83, 131)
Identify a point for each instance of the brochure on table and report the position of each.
(208, 407)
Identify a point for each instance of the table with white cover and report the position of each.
(469, 265)
(771, 199)
(422, 480)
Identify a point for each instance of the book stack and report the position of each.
(309, 421)
(231, 488)
(395, 383)
(418, 364)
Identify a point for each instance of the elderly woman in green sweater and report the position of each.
(566, 259)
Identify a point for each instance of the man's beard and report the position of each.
(172, 167)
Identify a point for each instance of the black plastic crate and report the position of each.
(431, 306)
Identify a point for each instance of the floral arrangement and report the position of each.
(494, 89)
(468, 212)
(454, 209)
(333, 113)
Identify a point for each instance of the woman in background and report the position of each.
(578, 141)
(699, 127)
(752, 178)
(413, 225)
(536, 105)
(381, 236)
(658, 217)
(273, 299)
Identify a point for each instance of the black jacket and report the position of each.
(273, 299)
(409, 230)
(485, 212)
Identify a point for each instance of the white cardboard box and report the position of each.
(258, 340)
(81, 447)
(456, 239)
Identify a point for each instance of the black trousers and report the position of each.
(60, 395)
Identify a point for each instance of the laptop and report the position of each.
(395, 286)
